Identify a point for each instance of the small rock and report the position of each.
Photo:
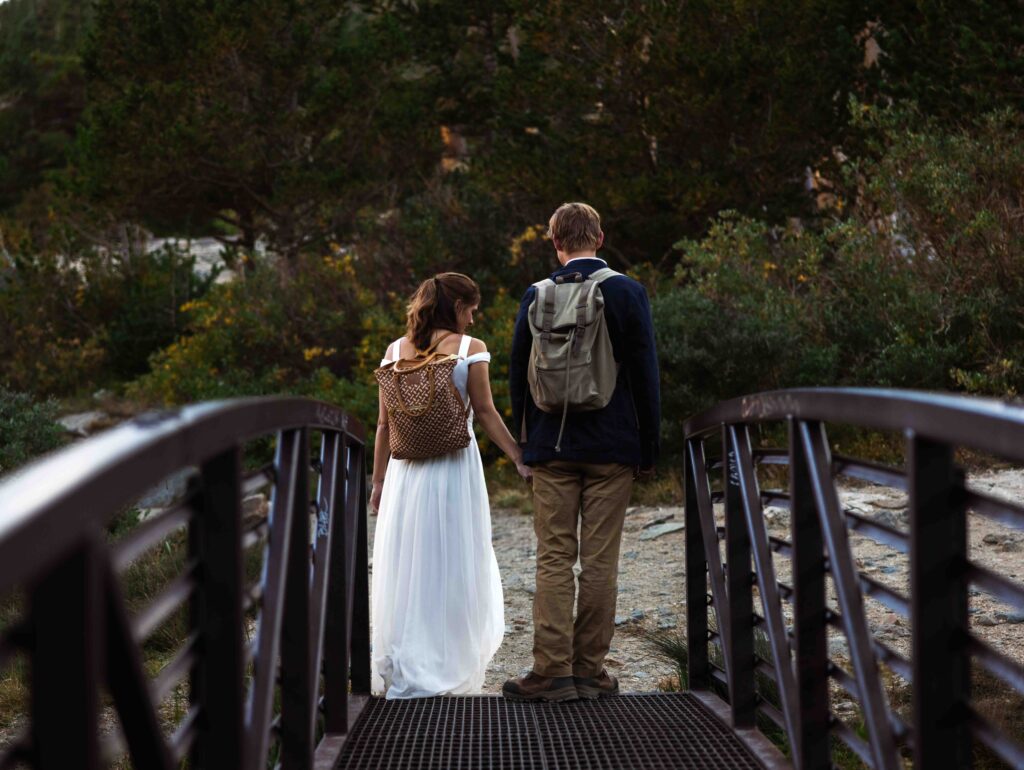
(612, 663)
(658, 520)
(508, 629)
(1011, 547)
(630, 555)
(837, 647)
(776, 517)
(620, 620)
(661, 529)
(577, 569)
(255, 506)
(84, 423)
(889, 569)
(897, 504)
(666, 623)
(149, 513)
(1012, 616)
(986, 620)
(991, 539)
(893, 519)
(637, 615)
(167, 491)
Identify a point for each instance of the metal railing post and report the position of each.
(298, 720)
(740, 651)
(336, 658)
(67, 615)
(697, 669)
(938, 590)
(217, 681)
(810, 627)
(361, 599)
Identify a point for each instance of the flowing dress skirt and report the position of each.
(437, 604)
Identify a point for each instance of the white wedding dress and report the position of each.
(437, 604)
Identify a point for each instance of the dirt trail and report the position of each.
(651, 588)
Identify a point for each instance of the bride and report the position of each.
(437, 605)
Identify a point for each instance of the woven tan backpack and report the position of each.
(426, 413)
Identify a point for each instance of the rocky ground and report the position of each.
(651, 590)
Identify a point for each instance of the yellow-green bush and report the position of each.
(267, 332)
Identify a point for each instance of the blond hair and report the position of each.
(432, 306)
(575, 227)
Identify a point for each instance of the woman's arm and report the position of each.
(479, 389)
(381, 455)
(381, 448)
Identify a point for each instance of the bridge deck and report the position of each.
(631, 731)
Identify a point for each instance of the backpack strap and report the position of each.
(464, 346)
(583, 302)
(603, 274)
(545, 307)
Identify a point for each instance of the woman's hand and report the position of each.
(375, 497)
(524, 470)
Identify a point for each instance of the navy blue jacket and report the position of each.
(626, 430)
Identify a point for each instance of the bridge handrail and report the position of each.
(943, 722)
(984, 424)
(117, 467)
(53, 547)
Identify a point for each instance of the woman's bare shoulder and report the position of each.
(477, 346)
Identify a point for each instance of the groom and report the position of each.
(583, 476)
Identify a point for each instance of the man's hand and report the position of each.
(643, 474)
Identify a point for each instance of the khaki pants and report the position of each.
(595, 497)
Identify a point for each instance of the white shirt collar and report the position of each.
(574, 259)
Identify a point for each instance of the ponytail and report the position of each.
(432, 306)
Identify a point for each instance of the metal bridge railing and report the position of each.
(248, 702)
(738, 557)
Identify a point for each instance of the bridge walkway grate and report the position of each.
(665, 730)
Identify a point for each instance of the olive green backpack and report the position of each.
(572, 367)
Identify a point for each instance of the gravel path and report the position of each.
(651, 589)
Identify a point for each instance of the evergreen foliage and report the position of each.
(815, 192)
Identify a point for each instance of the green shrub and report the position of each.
(267, 332)
(77, 325)
(27, 428)
(920, 285)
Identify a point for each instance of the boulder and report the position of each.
(84, 423)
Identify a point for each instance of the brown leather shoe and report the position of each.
(600, 686)
(536, 687)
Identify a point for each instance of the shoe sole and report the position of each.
(593, 693)
(561, 695)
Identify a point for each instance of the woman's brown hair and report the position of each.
(432, 306)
